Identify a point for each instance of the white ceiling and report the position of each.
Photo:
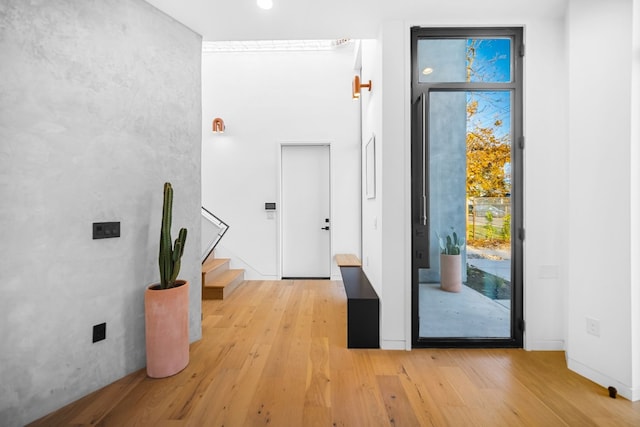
(334, 19)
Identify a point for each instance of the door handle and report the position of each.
(325, 228)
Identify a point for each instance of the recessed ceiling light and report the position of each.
(265, 4)
(427, 71)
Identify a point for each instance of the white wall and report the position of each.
(546, 181)
(265, 99)
(99, 106)
(371, 107)
(635, 201)
(546, 159)
(385, 115)
(602, 194)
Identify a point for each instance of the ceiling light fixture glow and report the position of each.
(265, 4)
(427, 71)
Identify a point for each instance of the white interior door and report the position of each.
(306, 226)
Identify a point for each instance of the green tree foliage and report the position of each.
(487, 155)
(506, 227)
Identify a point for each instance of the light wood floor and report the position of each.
(275, 354)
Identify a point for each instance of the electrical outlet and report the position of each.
(105, 230)
(593, 327)
(99, 332)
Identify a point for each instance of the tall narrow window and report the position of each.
(467, 187)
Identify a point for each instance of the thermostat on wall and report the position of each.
(270, 206)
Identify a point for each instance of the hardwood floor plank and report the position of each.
(213, 405)
(89, 410)
(425, 408)
(318, 384)
(470, 396)
(441, 390)
(539, 378)
(274, 353)
(397, 404)
(314, 416)
(239, 400)
(355, 401)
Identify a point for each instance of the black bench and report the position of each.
(363, 309)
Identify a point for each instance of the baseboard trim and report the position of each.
(392, 345)
(603, 380)
(544, 345)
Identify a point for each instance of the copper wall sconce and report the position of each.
(357, 86)
(218, 125)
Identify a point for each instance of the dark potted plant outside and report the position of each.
(167, 303)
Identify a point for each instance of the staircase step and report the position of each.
(214, 267)
(221, 285)
(214, 264)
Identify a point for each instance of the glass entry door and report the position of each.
(467, 188)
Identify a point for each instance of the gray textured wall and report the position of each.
(100, 104)
(448, 156)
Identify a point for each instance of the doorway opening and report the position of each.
(467, 187)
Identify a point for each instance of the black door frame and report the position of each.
(419, 177)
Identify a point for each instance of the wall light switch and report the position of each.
(106, 230)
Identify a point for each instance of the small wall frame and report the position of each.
(370, 168)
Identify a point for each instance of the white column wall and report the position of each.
(601, 196)
(546, 183)
(371, 105)
(635, 200)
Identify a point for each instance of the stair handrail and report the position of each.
(222, 226)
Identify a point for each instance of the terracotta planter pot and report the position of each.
(450, 273)
(166, 315)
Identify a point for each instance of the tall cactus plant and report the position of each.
(169, 258)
